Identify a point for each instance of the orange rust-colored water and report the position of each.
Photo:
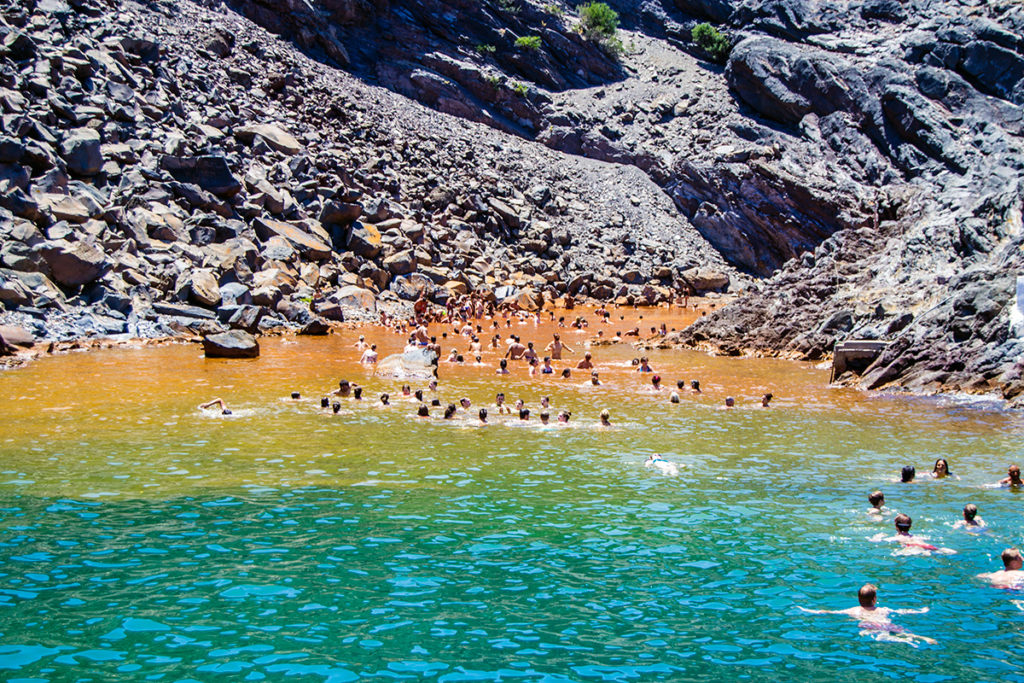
(124, 422)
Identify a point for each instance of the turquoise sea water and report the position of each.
(143, 540)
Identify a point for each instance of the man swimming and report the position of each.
(877, 500)
(605, 418)
(219, 402)
(1012, 478)
(971, 520)
(911, 543)
(907, 474)
(1011, 575)
(586, 363)
(874, 620)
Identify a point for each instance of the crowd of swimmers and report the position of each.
(876, 621)
(873, 620)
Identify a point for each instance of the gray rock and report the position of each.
(73, 263)
(232, 344)
(210, 173)
(81, 151)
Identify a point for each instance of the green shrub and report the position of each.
(711, 40)
(598, 20)
(485, 49)
(521, 89)
(554, 10)
(528, 42)
(510, 6)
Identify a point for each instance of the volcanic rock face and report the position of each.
(172, 166)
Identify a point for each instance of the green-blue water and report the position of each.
(143, 540)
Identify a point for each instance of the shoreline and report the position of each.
(25, 356)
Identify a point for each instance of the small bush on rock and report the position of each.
(528, 42)
(712, 41)
(598, 20)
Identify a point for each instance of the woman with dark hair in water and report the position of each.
(907, 474)
(941, 470)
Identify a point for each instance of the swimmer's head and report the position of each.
(605, 415)
(324, 402)
(418, 394)
(867, 596)
(730, 401)
(1014, 472)
(1012, 560)
(357, 393)
(566, 374)
(503, 363)
(344, 386)
(449, 411)
(674, 397)
(296, 395)
(385, 399)
(545, 416)
(500, 397)
(877, 499)
(941, 467)
(524, 413)
(335, 406)
(907, 474)
(656, 380)
(483, 414)
(464, 402)
(970, 511)
(423, 411)
(680, 385)
(435, 402)
(226, 411)
(695, 385)
(903, 522)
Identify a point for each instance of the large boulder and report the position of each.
(12, 337)
(401, 263)
(302, 241)
(231, 344)
(706, 279)
(274, 136)
(411, 287)
(81, 152)
(364, 240)
(353, 297)
(73, 263)
(204, 289)
(211, 173)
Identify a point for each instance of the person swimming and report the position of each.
(941, 470)
(449, 411)
(423, 411)
(564, 416)
(219, 402)
(656, 383)
(876, 621)
(674, 397)
(907, 474)
(1012, 478)
(1011, 576)
(877, 500)
(971, 521)
(482, 415)
(605, 418)
(910, 542)
(766, 399)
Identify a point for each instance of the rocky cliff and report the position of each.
(854, 166)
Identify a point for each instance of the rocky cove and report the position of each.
(852, 170)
